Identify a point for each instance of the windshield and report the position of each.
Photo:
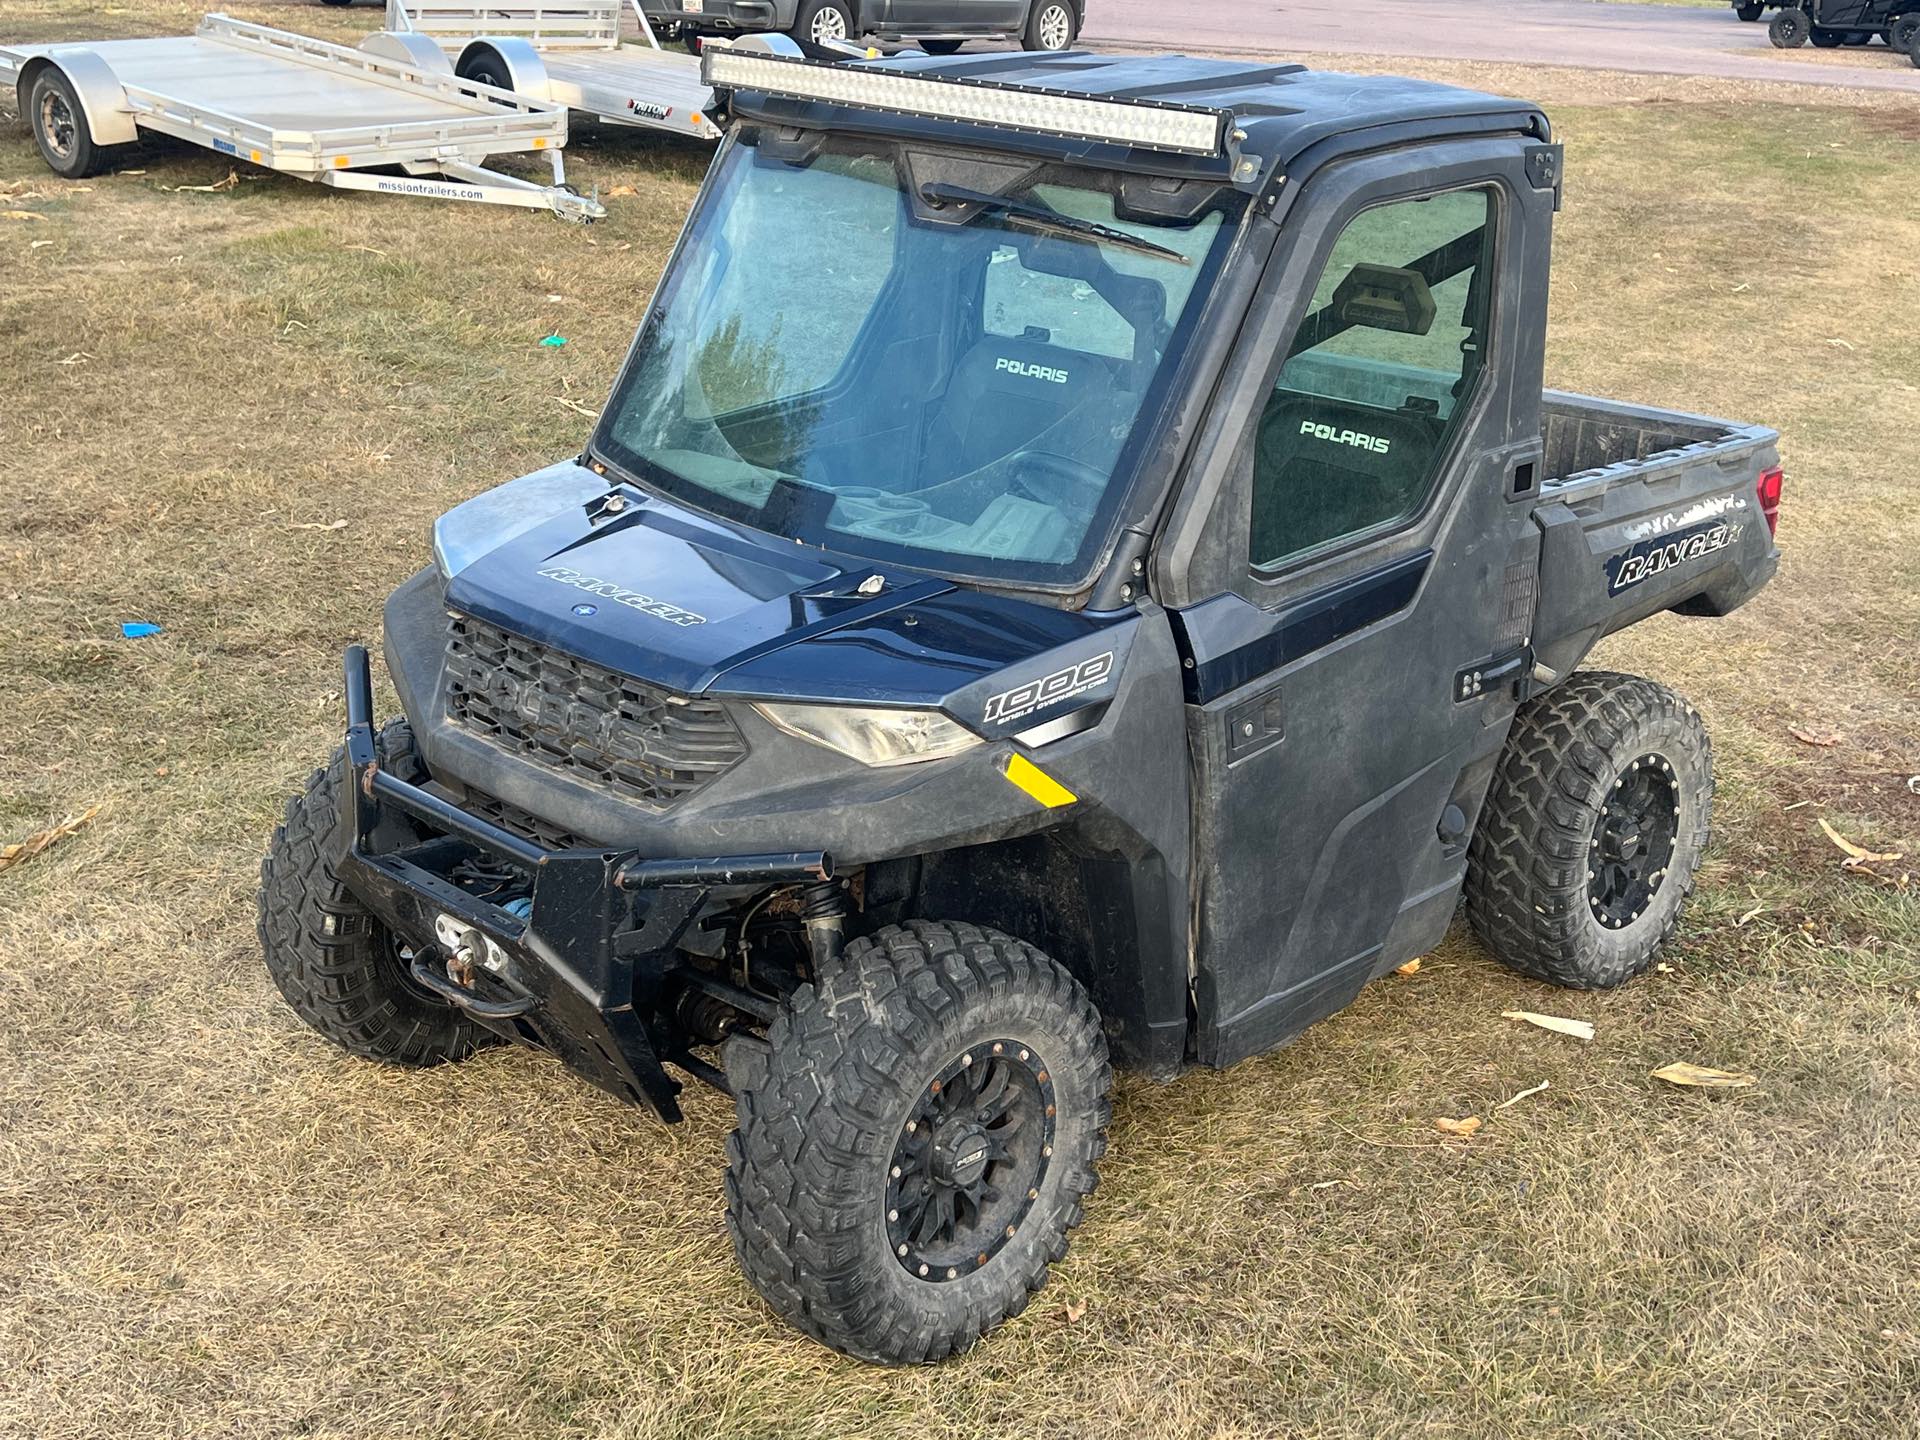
(951, 374)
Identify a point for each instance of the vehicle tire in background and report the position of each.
(336, 2)
(1749, 12)
(1789, 29)
(915, 1139)
(1601, 807)
(338, 967)
(1903, 33)
(941, 47)
(60, 128)
(1051, 25)
(485, 67)
(820, 21)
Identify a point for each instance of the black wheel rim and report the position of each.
(971, 1158)
(1633, 842)
(57, 124)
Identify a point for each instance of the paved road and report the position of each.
(1657, 39)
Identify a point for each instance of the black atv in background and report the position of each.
(1829, 24)
(1078, 569)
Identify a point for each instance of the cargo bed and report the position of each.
(1644, 510)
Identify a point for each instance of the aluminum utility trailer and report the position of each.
(300, 106)
(567, 53)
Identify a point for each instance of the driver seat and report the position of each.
(1007, 394)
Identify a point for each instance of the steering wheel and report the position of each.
(1056, 480)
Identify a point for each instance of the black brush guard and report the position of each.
(584, 974)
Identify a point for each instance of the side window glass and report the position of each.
(1388, 356)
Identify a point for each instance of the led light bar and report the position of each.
(1144, 124)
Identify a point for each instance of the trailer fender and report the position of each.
(408, 49)
(522, 63)
(771, 44)
(109, 116)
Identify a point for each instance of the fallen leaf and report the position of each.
(619, 192)
(1703, 1077)
(233, 179)
(1074, 1310)
(1412, 967)
(575, 406)
(331, 525)
(1748, 916)
(1825, 739)
(1855, 855)
(21, 215)
(11, 855)
(1516, 1099)
(1579, 1029)
(369, 250)
(39, 244)
(1325, 1184)
(1461, 1127)
(1663, 968)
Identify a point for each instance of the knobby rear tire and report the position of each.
(1529, 895)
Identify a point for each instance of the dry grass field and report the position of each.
(212, 1224)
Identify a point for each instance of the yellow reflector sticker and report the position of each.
(1037, 783)
(255, 156)
(538, 143)
(339, 162)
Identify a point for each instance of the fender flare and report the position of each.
(408, 48)
(522, 61)
(102, 98)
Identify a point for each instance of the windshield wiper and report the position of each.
(1045, 220)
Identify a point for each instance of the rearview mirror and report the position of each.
(1384, 297)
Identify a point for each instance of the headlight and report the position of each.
(872, 736)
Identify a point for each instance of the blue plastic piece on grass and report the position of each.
(554, 341)
(138, 629)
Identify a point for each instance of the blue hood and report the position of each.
(665, 594)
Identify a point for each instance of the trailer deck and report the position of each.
(307, 108)
(570, 53)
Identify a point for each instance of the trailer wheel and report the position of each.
(820, 22)
(1599, 813)
(1789, 29)
(339, 967)
(61, 130)
(915, 1141)
(1749, 12)
(1051, 26)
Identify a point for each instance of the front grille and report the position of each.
(639, 742)
(523, 823)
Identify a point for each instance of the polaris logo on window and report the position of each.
(1031, 372)
(620, 595)
(1652, 557)
(1354, 438)
(1077, 679)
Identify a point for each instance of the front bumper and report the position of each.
(588, 971)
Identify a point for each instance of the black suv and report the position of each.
(938, 26)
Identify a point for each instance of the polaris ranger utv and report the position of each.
(1077, 569)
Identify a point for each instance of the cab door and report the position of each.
(1358, 559)
(936, 17)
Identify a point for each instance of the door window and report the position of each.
(1354, 434)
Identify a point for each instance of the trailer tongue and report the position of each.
(303, 107)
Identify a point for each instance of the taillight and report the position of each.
(1768, 490)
